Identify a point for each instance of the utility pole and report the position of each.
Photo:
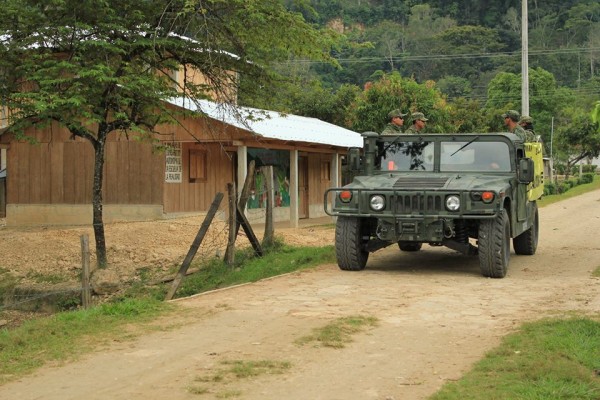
(524, 59)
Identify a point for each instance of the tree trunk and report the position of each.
(98, 223)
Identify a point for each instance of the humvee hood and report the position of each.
(434, 181)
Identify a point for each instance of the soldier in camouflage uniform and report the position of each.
(394, 127)
(511, 120)
(418, 122)
(526, 123)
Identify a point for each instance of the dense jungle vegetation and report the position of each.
(459, 62)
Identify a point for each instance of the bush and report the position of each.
(587, 178)
(563, 187)
(549, 188)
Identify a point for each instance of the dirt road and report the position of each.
(437, 316)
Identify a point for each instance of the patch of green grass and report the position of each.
(549, 359)
(39, 277)
(238, 369)
(338, 333)
(575, 191)
(596, 273)
(278, 260)
(66, 335)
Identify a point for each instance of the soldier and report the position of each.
(394, 127)
(526, 123)
(418, 122)
(511, 119)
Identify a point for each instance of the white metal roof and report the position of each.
(274, 125)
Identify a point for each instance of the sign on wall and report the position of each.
(173, 168)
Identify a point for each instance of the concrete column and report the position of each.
(294, 189)
(242, 169)
(335, 170)
(2, 159)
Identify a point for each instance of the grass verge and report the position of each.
(596, 273)
(575, 191)
(548, 359)
(66, 335)
(339, 332)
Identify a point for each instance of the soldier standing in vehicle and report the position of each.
(511, 120)
(394, 127)
(418, 122)
(526, 123)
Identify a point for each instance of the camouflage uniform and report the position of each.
(416, 116)
(391, 128)
(527, 123)
(517, 129)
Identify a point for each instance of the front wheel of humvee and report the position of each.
(350, 244)
(494, 246)
(410, 246)
(526, 243)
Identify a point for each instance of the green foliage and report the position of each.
(391, 91)
(587, 178)
(550, 359)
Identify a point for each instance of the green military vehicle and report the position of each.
(469, 192)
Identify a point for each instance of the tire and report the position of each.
(410, 246)
(349, 244)
(494, 246)
(526, 243)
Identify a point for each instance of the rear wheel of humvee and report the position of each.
(410, 246)
(494, 246)
(350, 243)
(526, 243)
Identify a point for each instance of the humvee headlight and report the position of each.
(452, 203)
(377, 202)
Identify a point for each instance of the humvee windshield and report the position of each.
(468, 156)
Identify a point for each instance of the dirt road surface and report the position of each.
(437, 316)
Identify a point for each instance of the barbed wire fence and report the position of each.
(219, 241)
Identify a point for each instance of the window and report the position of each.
(197, 166)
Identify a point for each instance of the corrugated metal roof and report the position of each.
(274, 125)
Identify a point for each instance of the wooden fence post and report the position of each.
(269, 230)
(242, 202)
(195, 245)
(86, 294)
(230, 252)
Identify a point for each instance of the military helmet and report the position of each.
(512, 114)
(418, 116)
(526, 119)
(396, 113)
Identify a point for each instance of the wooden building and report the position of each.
(50, 181)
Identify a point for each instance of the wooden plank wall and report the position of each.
(197, 196)
(62, 173)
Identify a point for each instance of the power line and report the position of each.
(467, 56)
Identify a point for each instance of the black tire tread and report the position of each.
(526, 242)
(349, 249)
(492, 238)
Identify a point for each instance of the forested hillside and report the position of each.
(457, 61)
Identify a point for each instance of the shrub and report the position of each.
(587, 178)
(563, 187)
(549, 188)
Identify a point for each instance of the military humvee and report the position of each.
(469, 192)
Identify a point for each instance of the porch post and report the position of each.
(335, 170)
(242, 168)
(294, 189)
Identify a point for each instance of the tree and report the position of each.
(103, 67)
(391, 91)
(578, 137)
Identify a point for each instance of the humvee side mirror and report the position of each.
(526, 170)
(354, 159)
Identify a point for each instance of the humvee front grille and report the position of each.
(411, 203)
(419, 183)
